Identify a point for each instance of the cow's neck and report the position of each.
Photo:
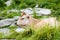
(33, 21)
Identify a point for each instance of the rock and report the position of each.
(16, 17)
(42, 11)
(6, 22)
(8, 3)
(5, 31)
(39, 11)
(27, 10)
(19, 29)
(12, 10)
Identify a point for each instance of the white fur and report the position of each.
(23, 22)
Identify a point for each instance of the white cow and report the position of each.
(27, 20)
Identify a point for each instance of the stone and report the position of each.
(16, 17)
(5, 31)
(12, 10)
(6, 22)
(42, 11)
(10, 21)
(8, 3)
(27, 10)
(39, 11)
(19, 29)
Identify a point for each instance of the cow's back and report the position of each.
(46, 21)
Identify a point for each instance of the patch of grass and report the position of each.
(1, 35)
(10, 15)
(12, 35)
(12, 27)
(34, 14)
(46, 33)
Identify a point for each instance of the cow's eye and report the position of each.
(22, 18)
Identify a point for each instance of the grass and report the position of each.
(1, 35)
(46, 33)
(43, 34)
(10, 15)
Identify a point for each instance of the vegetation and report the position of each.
(54, 5)
(46, 33)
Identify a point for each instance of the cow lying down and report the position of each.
(27, 20)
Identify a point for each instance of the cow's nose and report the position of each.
(16, 23)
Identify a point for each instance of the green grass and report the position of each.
(1, 35)
(43, 34)
(10, 15)
(32, 34)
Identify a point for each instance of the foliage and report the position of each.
(40, 34)
(9, 15)
(46, 33)
(1, 35)
(36, 34)
(18, 4)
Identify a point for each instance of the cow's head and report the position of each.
(23, 20)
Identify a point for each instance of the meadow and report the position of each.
(46, 33)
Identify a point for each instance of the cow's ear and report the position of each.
(23, 13)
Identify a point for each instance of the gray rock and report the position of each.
(42, 11)
(6, 22)
(5, 31)
(19, 29)
(8, 3)
(16, 17)
(39, 11)
(12, 10)
(27, 10)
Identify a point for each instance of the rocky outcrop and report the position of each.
(39, 11)
(7, 22)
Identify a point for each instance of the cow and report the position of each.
(26, 20)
